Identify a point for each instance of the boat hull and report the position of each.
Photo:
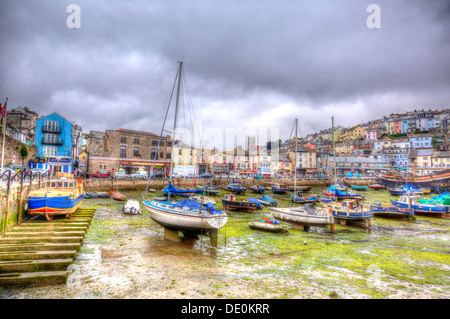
(176, 219)
(299, 217)
(439, 182)
(55, 205)
(268, 227)
(390, 212)
(430, 210)
(241, 206)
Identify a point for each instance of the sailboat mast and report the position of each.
(295, 165)
(176, 117)
(334, 150)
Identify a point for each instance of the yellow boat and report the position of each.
(56, 197)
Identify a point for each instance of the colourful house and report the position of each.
(54, 143)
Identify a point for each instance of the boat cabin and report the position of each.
(351, 204)
(410, 200)
(60, 184)
(229, 197)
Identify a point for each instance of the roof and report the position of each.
(441, 154)
(96, 134)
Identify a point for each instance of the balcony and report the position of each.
(51, 153)
(52, 141)
(51, 129)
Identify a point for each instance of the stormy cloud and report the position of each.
(249, 64)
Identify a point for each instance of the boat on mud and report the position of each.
(376, 186)
(409, 201)
(211, 189)
(132, 207)
(303, 217)
(257, 189)
(269, 225)
(230, 202)
(279, 189)
(236, 188)
(391, 212)
(267, 201)
(56, 197)
(359, 188)
(304, 199)
(351, 212)
(119, 196)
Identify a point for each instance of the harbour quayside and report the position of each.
(187, 216)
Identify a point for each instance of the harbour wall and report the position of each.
(108, 184)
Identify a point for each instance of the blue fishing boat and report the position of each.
(211, 190)
(359, 188)
(409, 201)
(391, 211)
(56, 197)
(407, 189)
(304, 199)
(351, 212)
(257, 189)
(335, 192)
(266, 200)
(236, 188)
(279, 189)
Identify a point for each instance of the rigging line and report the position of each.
(162, 131)
(191, 105)
(292, 130)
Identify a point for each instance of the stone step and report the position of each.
(44, 239)
(37, 265)
(27, 255)
(57, 221)
(34, 278)
(49, 224)
(40, 246)
(58, 228)
(46, 233)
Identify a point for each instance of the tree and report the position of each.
(24, 152)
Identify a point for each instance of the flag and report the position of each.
(4, 108)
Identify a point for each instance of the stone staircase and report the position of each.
(38, 252)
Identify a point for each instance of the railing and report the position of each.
(56, 154)
(52, 141)
(51, 129)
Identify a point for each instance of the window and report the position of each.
(123, 151)
(161, 155)
(161, 143)
(136, 151)
(179, 151)
(179, 161)
(153, 153)
(154, 143)
(123, 139)
(168, 156)
(136, 141)
(190, 161)
(169, 144)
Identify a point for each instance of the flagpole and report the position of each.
(4, 133)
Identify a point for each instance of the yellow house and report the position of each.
(183, 159)
(82, 157)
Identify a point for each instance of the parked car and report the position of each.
(139, 174)
(102, 174)
(205, 175)
(159, 175)
(120, 175)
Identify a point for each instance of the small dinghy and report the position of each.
(119, 196)
(132, 207)
(97, 195)
(268, 225)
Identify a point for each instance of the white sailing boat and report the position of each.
(302, 217)
(188, 216)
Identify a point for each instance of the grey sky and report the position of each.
(248, 63)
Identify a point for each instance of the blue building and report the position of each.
(421, 141)
(54, 144)
(405, 126)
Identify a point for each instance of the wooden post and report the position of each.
(5, 213)
(213, 235)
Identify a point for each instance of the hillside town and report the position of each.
(417, 140)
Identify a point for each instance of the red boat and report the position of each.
(377, 186)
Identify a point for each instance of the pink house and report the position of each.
(372, 135)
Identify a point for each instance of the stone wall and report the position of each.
(12, 148)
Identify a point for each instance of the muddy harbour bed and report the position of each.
(126, 256)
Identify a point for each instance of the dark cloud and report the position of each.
(248, 63)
